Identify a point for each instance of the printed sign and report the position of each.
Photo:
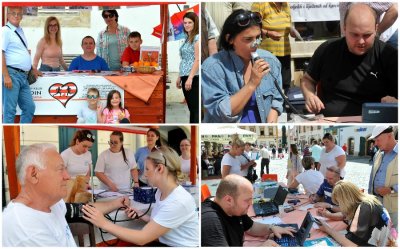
(65, 95)
(314, 11)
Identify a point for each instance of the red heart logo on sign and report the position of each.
(63, 92)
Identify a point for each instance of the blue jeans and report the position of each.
(47, 68)
(20, 94)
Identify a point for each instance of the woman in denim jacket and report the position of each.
(235, 89)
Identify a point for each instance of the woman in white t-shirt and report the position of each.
(77, 158)
(173, 220)
(185, 147)
(117, 165)
(230, 163)
(310, 178)
(332, 155)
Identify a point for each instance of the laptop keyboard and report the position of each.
(286, 241)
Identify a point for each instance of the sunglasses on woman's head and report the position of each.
(108, 16)
(244, 19)
(92, 96)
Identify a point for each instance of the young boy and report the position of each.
(90, 113)
(131, 54)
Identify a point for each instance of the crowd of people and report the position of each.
(38, 216)
(116, 46)
(342, 74)
(371, 217)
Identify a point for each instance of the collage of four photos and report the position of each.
(199, 124)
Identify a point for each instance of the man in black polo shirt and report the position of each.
(224, 220)
(353, 70)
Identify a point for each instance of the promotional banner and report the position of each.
(65, 95)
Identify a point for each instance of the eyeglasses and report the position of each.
(112, 142)
(92, 96)
(108, 16)
(53, 25)
(243, 20)
(185, 145)
(15, 14)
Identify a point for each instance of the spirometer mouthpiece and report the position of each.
(256, 43)
(255, 56)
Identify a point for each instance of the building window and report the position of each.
(261, 131)
(270, 131)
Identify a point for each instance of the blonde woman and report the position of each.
(49, 48)
(173, 220)
(230, 163)
(369, 222)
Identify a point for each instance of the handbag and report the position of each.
(251, 172)
(31, 76)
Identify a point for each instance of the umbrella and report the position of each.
(222, 134)
(176, 23)
(157, 31)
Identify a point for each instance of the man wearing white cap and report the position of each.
(383, 182)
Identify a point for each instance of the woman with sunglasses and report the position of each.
(112, 41)
(173, 220)
(49, 48)
(369, 222)
(77, 158)
(235, 88)
(153, 142)
(116, 166)
(188, 78)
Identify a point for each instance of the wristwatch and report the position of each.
(392, 190)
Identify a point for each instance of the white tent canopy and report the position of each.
(223, 133)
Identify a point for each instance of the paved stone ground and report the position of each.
(358, 170)
(177, 111)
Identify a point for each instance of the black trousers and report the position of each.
(192, 98)
(285, 71)
(264, 163)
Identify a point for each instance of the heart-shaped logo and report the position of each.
(63, 92)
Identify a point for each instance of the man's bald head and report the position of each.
(360, 10)
(360, 28)
(232, 185)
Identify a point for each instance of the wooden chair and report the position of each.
(79, 229)
(269, 177)
(205, 192)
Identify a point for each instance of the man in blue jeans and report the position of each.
(16, 65)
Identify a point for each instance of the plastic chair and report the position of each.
(269, 177)
(205, 192)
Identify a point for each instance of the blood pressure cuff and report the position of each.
(75, 213)
(144, 195)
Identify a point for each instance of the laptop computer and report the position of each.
(271, 207)
(379, 113)
(300, 236)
